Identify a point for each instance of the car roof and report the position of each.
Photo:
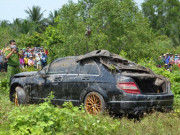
(108, 59)
(100, 53)
(68, 57)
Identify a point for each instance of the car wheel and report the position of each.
(94, 103)
(20, 96)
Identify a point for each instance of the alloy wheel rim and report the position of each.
(93, 104)
(16, 99)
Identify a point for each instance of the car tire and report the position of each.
(94, 103)
(20, 96)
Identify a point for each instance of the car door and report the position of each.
(85, 73)
(71, 82)
(58, 79)
(38, 86)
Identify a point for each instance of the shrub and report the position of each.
(52, 120)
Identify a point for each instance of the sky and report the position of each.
(12, 9)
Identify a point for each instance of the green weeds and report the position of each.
(48, 119)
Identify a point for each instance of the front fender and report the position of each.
(23, 82)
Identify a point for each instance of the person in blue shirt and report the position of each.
(44, 59)
(167, 61)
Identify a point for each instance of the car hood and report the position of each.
(25, 74)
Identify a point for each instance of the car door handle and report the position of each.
(58, 79)
(85, 78)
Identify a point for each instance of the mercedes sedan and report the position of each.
(99, 79)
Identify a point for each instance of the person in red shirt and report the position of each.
(178, 61)
(46, 51)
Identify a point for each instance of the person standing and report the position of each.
(46, 52)
(175, 58)
(167, 61)
(38, 60)
(31, 61)
(21, 62)
(26, 61)
(12, 55)
(44, 59)
(171, 62)
(178, 61)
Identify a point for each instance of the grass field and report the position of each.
(47, 119)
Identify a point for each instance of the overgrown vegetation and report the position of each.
(48, 119)
(116, 25)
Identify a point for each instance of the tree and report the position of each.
(5, 36)
(52, 17)
(4, 23)
(35, 14)
(20, 26)
(116, 25)
(164, 17)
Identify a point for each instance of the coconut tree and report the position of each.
(4, 23)
(22, 26)
(35, 14)
(52, 16)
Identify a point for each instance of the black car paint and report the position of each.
(74, 88)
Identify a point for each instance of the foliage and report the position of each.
(3, 83)
(47, 119)
(22, 27)
(4, 24)
(164, 16)
(35, 14)
(28, 69)
(115, 25)
(5, 37)
(52, 17)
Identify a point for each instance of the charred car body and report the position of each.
(99, 79)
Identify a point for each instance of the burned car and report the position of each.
(99, 79)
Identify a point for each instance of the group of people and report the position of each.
(168, 60)
(33, 57)
(21, 58)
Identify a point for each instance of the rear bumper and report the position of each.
(133, 103)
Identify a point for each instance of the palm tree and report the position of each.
(20, 26)
(52, 17)
(35, 14)
(4, 23)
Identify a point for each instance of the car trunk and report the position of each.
(149, 83)
(146, 79)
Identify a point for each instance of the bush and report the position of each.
(52, 120)
(47, 119)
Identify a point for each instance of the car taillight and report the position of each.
(129, 87)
